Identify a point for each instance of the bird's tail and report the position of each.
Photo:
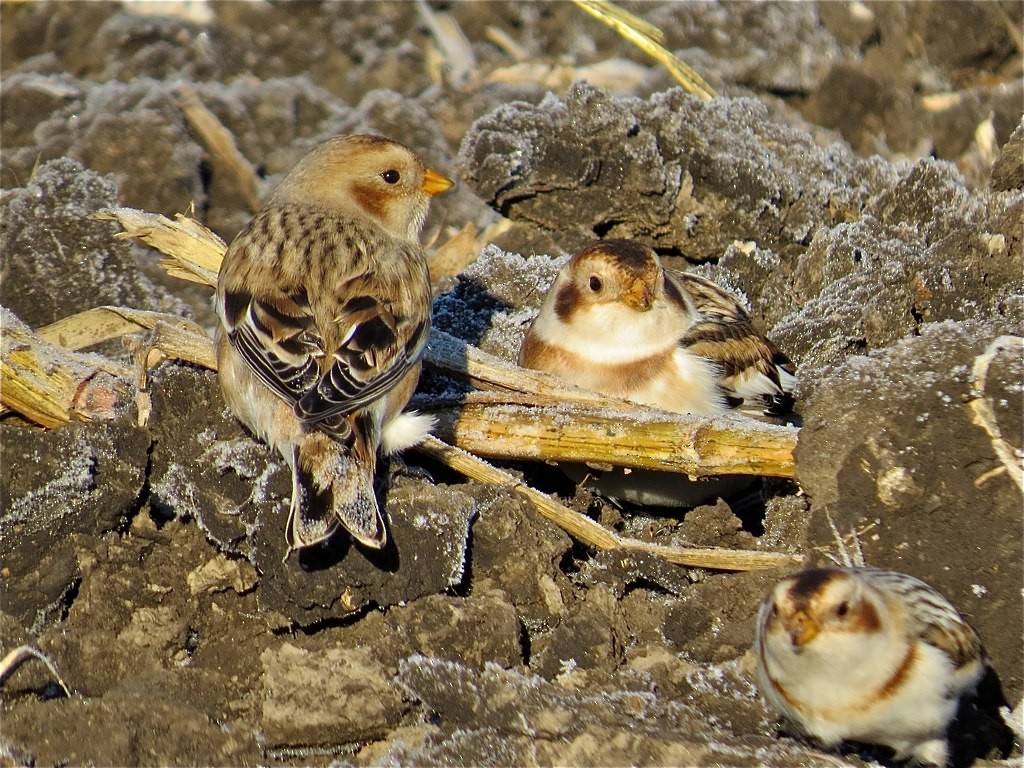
(333, 485)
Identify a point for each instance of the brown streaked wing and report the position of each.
(274, 337)
(932, 617)
(709, 298)
(727, 335)
(374, 359)
(959, 641)
(735, 346)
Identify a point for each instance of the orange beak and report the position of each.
(803, 629)
(639, 296)
(434, 183)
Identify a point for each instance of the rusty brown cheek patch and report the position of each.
(566, 300)
(864, 618)
(371, 199)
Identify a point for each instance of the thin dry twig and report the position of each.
(24, 653)
(459, 59)
(844, 556)
(616, 75)
(594, 534)
(220, 143)
(1012, 27)
(981, 407)
(648, 38)
(507, 43)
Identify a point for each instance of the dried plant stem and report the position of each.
(174, 336)
(982, 412)
(648, 38)
(23, 653)
(544, 430)
(454, 256)
(220, 143)
(193, 252)
(507, 43)
(531, 421)
(589, 532)
(51, 386)
(459, 59)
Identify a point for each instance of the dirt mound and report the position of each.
(847, 183)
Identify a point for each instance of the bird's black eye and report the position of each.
(595, 283)
(391, 176)
(842, 609)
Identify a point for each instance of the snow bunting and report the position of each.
(867, 655)
(616, 322)
(324, 306)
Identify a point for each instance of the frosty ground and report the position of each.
(859, 182)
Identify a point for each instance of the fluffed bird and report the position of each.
(866, 655)
(324, 304)
(615, 321)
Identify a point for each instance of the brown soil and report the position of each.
(872, 226)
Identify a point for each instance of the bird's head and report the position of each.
(814, 605)
(366, 175)
(609, 273)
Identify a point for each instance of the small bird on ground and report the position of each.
(324, 303)
(616, 322)
(866, 655)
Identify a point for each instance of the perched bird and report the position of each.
(324, 305)
(866, 655)
(616, 322)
